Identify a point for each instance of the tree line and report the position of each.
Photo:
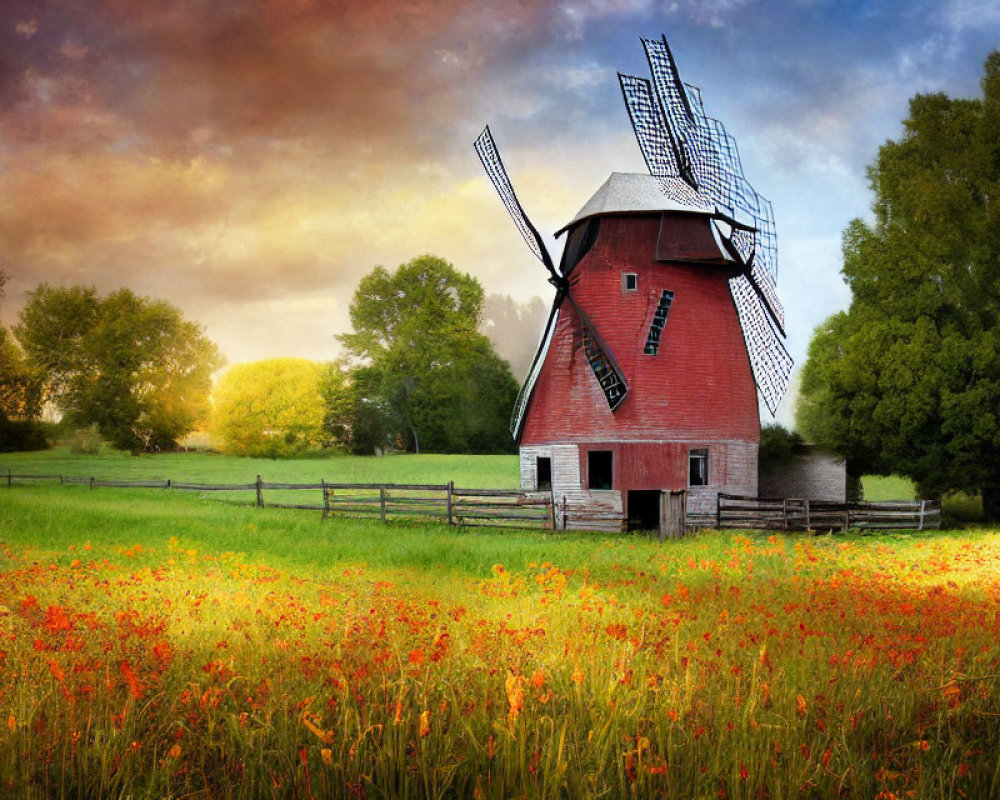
(417, 373)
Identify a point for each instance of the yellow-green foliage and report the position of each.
(269, 408)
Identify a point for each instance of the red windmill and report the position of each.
(665, 322)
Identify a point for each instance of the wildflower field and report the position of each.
(159, 646)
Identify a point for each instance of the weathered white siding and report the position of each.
(814, 476)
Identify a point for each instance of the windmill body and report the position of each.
(691, 391)
(665, 324)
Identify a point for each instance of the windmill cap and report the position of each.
(636, 193)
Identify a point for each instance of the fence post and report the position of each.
(847, 517)
(784, 513)
(92, 484)
(8, 478)
(169, 484)
(451, 488)
(718, 512)
(326, 498)
(552, 508)
(260, 493)
(808, 520)
(381, 503)
(923, 505)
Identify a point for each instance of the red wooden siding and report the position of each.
(698, 388)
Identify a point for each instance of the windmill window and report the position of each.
(543, 474)
(698, 467)
(630, 281)
(659, 320)
(600, 469)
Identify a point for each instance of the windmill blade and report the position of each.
(490, 157)
(650, 127)
(609, 375)
(711, 154)
(741, 243)
(769, 359)
(528, 387)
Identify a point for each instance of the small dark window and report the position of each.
(599, 469)
(543, 474)
(698, 467)
(659, 320)
(630, 281)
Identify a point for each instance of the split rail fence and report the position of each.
(515, 508)
(383, 501)
(736, 511)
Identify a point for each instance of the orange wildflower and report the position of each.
(800, 705)
(425, 723)
(57, 671)
(174, 751)
(538, 678)
(134, 685)
(577, 676)
(515, 696)
(326, 754)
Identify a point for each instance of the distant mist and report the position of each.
(515, 329)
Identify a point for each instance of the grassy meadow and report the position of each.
(154, 645)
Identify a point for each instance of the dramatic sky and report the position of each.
(250, 161)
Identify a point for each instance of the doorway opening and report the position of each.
(643, 509)
(543, 474)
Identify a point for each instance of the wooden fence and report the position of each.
(736, 511)
(445, 502)
(515, 508)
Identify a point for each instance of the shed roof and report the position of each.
(636, 193)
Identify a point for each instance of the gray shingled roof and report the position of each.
(635, 193)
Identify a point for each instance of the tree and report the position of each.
(20, 388)
(908, 379)
(130, 364)
(426, 375)
(271, 408)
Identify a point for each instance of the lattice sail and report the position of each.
(769, 359)
(683, 145)
(490, 157)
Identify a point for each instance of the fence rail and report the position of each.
(505, 508)
(737, 511)
(512, 508)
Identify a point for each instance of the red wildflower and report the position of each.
(57, 671)
(134, 685)
(56, 619)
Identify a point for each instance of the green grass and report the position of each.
(888, 487)
(957, 508)
(63, 517)
(494, 472)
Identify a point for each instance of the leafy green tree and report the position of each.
(336, 387)
(271, 408)
(20, 389)
(908, 379)
(130, 364)
(428, 377)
